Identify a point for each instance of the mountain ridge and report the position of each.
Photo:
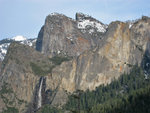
(4, 44)
(87, 61)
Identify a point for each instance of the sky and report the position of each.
(26, 17)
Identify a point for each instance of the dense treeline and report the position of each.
(137, 102)
(49, 109)
(129, 94)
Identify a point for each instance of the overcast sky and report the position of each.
(26, 17)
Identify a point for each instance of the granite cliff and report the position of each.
(63, 35)
(71, 55)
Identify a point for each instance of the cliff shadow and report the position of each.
(145, 64)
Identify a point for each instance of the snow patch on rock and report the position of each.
(3, 50)
(5, 44)
(85, 23)
(19, 38)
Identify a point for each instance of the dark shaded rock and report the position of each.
(40, 40)
(17, 71)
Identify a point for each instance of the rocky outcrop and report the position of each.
(4, 44)
(23, 68)
(99, 66)
(61, 35)
(118, 51)
(90, 25)
(140, 44)
(18, 73)
(140, 36)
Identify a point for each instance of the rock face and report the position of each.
(18, 73)
(60, 35)
(140, 36)
(99, 66)
(140, 44)
(32, 79)
(115, 55)
(4, 44)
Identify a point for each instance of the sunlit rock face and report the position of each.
(116, 54)
(100, 65)
(63, 35)
(93, 64)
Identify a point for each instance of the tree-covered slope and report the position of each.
(128, 94)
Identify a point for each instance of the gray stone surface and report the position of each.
(60, 35)
(119, 48)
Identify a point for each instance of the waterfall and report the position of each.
(40, 94)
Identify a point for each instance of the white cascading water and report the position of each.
(40, 94)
